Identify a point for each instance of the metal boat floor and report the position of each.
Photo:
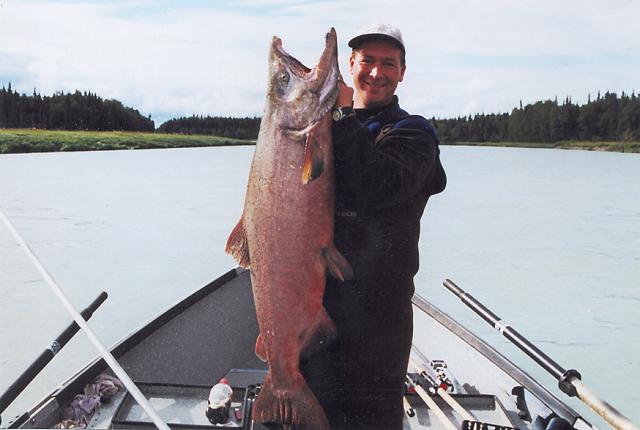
(184, 406)
(483, 407)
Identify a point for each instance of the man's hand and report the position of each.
(345, 94)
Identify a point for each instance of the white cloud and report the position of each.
(464, 56)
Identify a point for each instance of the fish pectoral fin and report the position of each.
(261, 350)
(237, 245)
(337, 265)
(321, 334)
(296, 135)
(313, 164)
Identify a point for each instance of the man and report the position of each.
(387, 166)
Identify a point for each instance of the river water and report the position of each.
(549, 239)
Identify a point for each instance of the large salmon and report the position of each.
(285, 234)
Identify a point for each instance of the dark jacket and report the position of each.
(387, 165)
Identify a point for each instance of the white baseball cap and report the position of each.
(378, 31)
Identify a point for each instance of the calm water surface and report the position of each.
(549, 239)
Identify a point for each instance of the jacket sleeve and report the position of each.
(385, 172)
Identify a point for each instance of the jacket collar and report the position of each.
(365, 114)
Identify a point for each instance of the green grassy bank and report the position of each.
(570, 144)
(28, 140)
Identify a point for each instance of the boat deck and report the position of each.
(179, 356)
(183, 406)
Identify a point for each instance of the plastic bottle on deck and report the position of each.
(219, 402)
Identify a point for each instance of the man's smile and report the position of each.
(376, 84)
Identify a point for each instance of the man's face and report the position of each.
(376, 69)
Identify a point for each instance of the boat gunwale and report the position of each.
(65, 392)
(503, 363)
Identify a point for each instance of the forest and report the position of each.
(607, 117)
(238, 128)
(70, 111)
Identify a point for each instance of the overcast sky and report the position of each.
(176, 58)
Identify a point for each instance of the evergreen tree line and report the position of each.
(77, 111)
(239, 128)
(607, 118)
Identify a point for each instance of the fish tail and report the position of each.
(296, 406)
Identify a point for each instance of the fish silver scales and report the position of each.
(285, 234)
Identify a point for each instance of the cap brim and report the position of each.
(359, 40)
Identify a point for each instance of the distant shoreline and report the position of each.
(18, 141)
(606, 146)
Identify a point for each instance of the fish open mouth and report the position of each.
(299, 70)
(321, 80)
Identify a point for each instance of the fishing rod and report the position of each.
(46, 356)
(447, 423)
(569, 381)
(439, 390)
(102, 350)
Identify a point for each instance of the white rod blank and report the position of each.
(446, 396)
(455, 405)
(407, 407)
(104, 352)
(448, 424)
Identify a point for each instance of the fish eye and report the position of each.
(284, 77)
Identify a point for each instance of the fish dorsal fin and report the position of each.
(337, 265)
(237, 245)
(313, 164)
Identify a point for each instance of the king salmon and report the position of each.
(285, 234)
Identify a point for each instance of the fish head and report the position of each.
(297, 95)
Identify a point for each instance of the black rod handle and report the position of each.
(568, 380)
(516, 338)
(47, 355)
